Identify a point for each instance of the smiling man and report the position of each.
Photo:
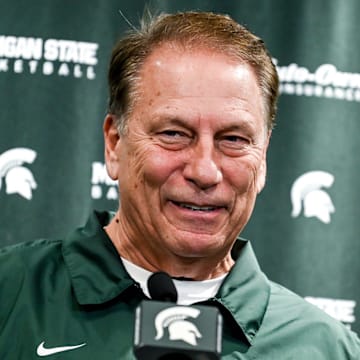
(191, 110)
(194, 156)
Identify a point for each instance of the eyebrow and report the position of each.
(172, 120)
(238, 125)
(228, 123)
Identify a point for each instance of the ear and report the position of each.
(262, 169)
(112, 140)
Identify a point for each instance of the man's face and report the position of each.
(193, 159)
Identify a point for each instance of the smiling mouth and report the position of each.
(197, 208)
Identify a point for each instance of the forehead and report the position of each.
(198, 81)
(173, 62)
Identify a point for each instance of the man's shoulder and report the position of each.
(283, 298)
(29, 251)
(19, 262)
(23, 268)
(305, 318)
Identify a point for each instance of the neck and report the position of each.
(141, 254)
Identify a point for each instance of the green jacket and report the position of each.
(77, 293)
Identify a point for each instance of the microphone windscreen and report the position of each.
(161, 287)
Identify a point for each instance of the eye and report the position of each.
(174, 139)
(233, 144)
(172, 133)
(234, 140)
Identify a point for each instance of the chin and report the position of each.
(199, 245)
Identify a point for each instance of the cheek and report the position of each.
(155, 166)
(244, 176)
(241, 176)
(131, 167)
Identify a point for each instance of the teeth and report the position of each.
(197, 208)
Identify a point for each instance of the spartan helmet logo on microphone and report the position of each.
(307, 192)
(175, 319)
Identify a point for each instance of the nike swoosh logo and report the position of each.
(43, 351)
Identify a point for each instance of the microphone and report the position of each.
(162, 288)
(166, 331)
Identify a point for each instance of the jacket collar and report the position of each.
(98, 275)
(245, 292)
(96, 270)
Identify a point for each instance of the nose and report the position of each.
(202, 167)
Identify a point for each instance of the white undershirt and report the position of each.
(189, 291)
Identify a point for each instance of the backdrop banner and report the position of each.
(305, 229)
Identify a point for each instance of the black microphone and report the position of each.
(166, 331)
(162, 288)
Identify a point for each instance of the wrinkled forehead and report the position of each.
(201, 71)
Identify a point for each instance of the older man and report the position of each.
(192, 107)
